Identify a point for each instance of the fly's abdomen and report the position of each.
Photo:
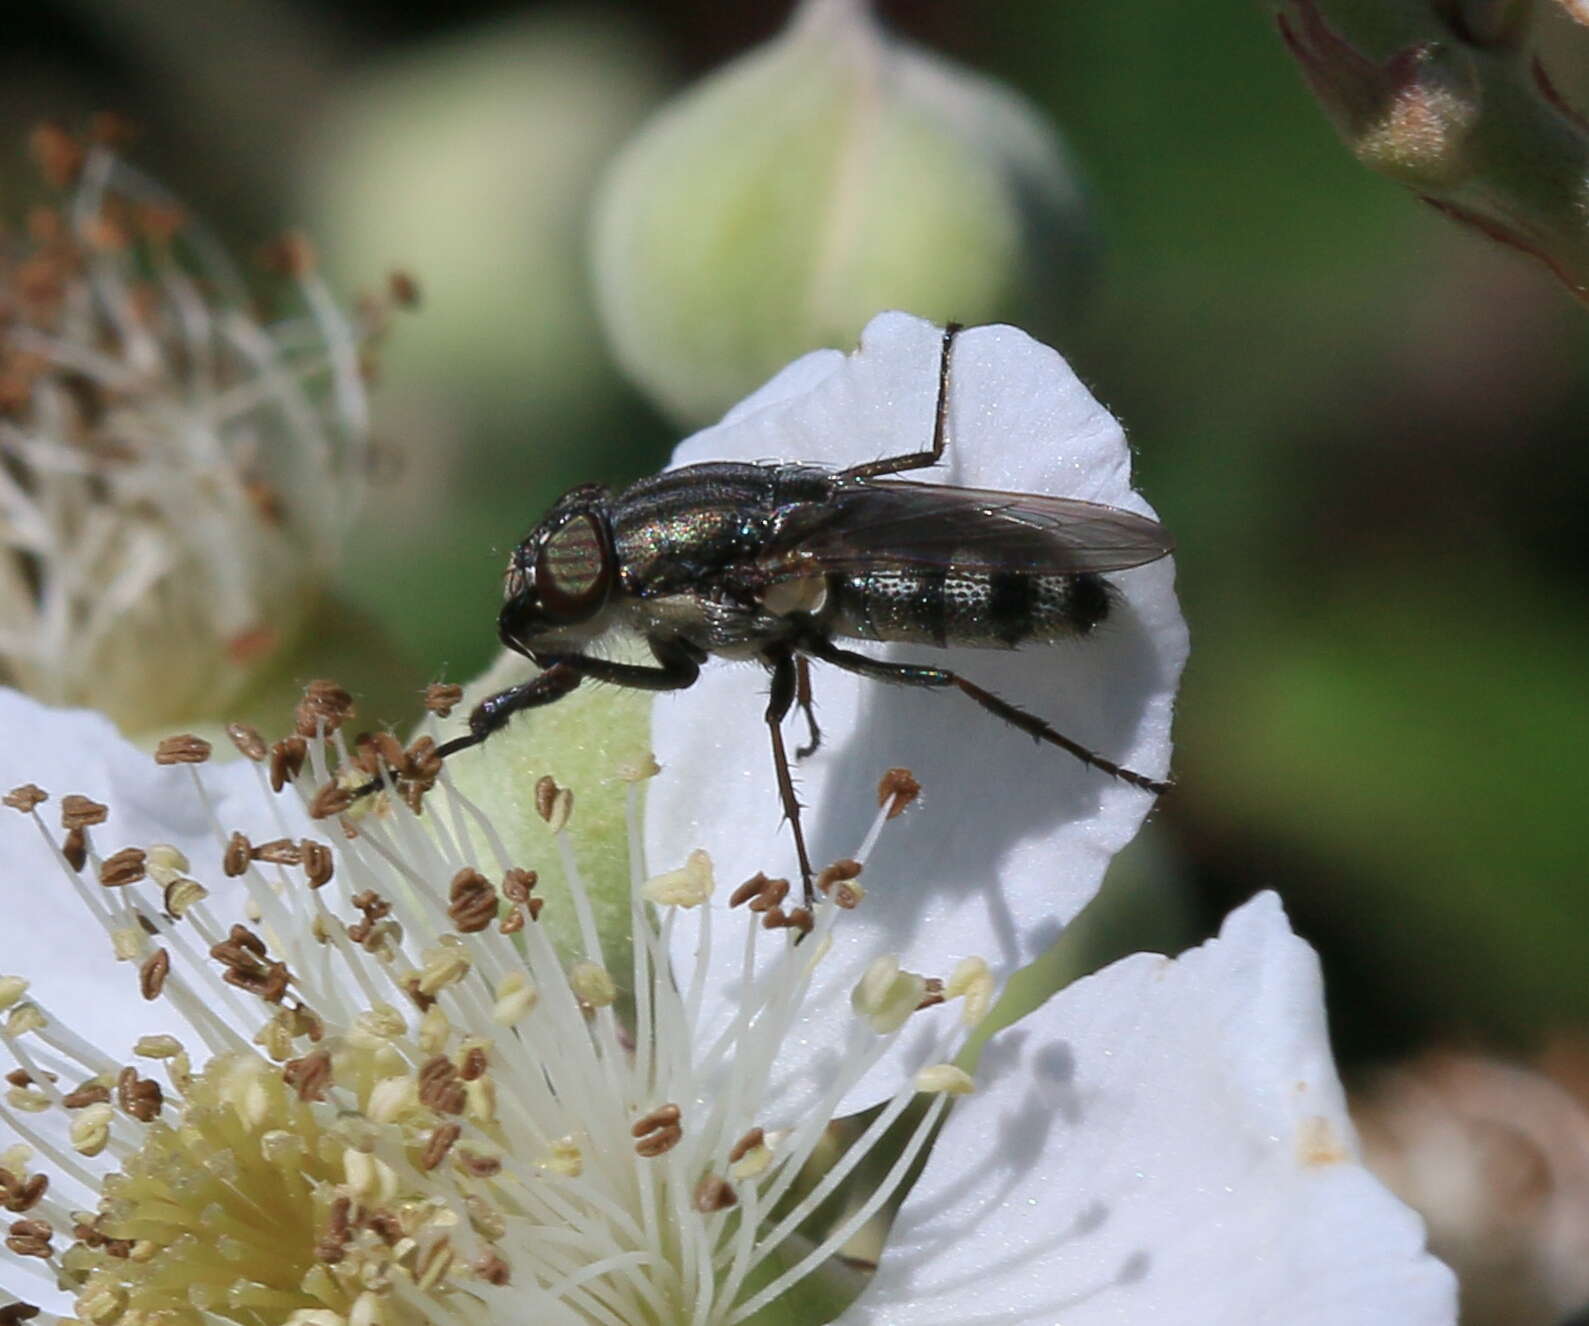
(983, 609)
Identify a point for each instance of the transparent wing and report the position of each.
(898, 523)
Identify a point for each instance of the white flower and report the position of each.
(429, 1114)
(392, 1099)
(177, 475)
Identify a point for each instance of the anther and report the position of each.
(26, 799)
(324, 708)
(332, 799)
(493, 1269)
(286, 761)
(248, 967)
(796, 918)
(248, 742)
(309, 1076)
(441, 697)
(657, 1132)
(182, 749)
(477, 1166)
(714, 1193)
(839, 872)
(152, 975)
(140, 1097)
(58, 154)
(74, 847)
(123, 867)
(318, 863)
(181, 894)
(278, 852)
(761, 893)
(746, 1144)
(368, 932)
(290, 254)
(332, 1244)
(517, 883)
(79, 812)
(31, 1238)
(553, 804)
(90, 1093)
(378, 753)
(235, 860)
(439, 1144)
(421, 763)
(14, 1314)
(897, 789)
(19, 1195)
(439, 1087)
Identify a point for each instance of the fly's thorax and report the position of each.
(676, 529)
(980, 609)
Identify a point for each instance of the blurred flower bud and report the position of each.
(472, 162)
(1495, 1157)
(175, 474)
(1462, 110)
(830, 174)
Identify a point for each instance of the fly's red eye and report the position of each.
(573, 570)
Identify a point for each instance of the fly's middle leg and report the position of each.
(918, 460)
(785, 684)
(803, 700)
(913, 674)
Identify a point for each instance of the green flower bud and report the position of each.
(472, 163)
(831, 174)
(594, 747)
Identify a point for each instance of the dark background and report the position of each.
(1365, 426)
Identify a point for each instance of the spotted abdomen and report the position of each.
(983, 609)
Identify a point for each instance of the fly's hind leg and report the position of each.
(912, 674)
(918, 460)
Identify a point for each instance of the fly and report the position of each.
(779, 562)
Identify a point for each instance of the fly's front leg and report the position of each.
(918, 460)
(491, 715)
(678, 666)
(912, 674)
(803, 700)
(784, 686)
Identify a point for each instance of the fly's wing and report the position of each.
(897, 523)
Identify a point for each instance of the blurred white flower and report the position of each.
(177, 474)
(834, 172)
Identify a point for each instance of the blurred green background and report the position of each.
(1364, 426)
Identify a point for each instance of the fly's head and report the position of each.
(561, 577)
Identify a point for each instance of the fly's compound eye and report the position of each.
(573, 570)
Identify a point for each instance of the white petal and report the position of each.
(1163, 1142)
(49, 937)
(1010, 839)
